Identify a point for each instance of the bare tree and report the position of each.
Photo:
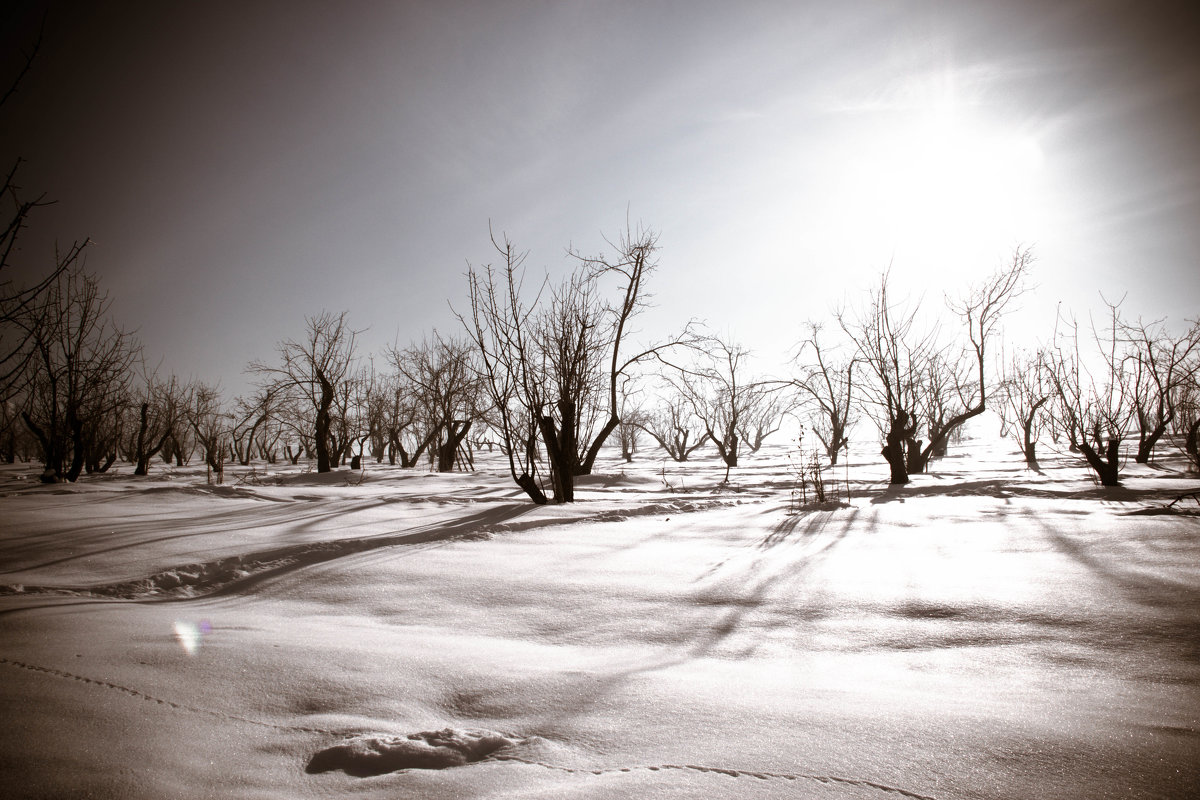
(1025, 393)
(16, 441)
(1161, 363)
(1093, 397)
(764, 416)
(404, 425)
(444, 380)
(633, 262)
(894, 356)
(500, 325)
(632, 419)
(251, 416)
(157, 405)
(675, 427)
(719, 393)
(212, 425)
(1186, 422)
(78, 374)
(551, 366)
(920, 384)
(312, 371)
(827, 381)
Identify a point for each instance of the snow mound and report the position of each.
(367, 755)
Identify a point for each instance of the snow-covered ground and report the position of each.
(986, 632)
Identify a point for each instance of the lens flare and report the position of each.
(188, 634)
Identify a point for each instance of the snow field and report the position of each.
(983, 633)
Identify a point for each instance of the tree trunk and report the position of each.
(562, 473)
(531, 488)
(1191, 444)
(1107, 467)
(589, 460)
(322, 428)
(456, 431)
(919, 461)
(1030, 454)
(1148, 441)
(916, 459)
(50, 457)
(839, 441)
(1028, 445)
(893, 450)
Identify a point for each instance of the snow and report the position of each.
(985, 632)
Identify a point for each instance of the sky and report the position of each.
(240, 166)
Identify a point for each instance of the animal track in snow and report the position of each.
(733, 773)
(364, 755)
(59, 673)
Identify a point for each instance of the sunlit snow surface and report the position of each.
(986, 632)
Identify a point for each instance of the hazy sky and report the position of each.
(240, 165)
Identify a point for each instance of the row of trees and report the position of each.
(1109, 384)
(545, 373)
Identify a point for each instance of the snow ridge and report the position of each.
(232, 573)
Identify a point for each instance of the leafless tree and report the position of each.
(311, 372)
(1094, 397)
(720, 394)
(1186, 422)
(1025, 394)
(894, 356)
(403, 425)
(1161, 363)
(375, 401)
(764, 417)
(15, 438)
(918, 383)
(252, 415)
(78, 373)
(632, 419)
(551, 365)
(156, 406)
(212, 425)
(828, 381)
(443, 378)
(675, 427)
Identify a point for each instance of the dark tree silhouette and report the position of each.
(156, 405)
(827, 381)
(1186, 422)
(1161, 362)
(443, 378)
(79, 370)
(311, 372)
(918, 383)
(551, 366)
(211, 424)
(676, 429)
(720, 394)
(1094, 405)
(1025, 393)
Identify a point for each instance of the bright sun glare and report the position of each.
(941, 186)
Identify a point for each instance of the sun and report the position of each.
(937, 184)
